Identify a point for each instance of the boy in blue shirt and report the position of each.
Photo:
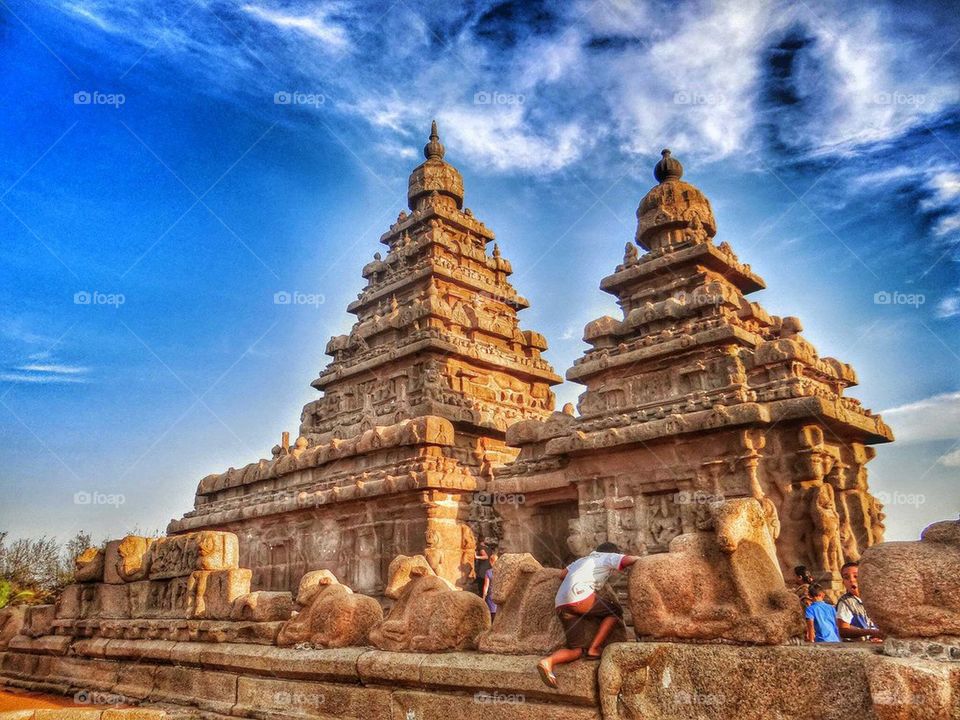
(821, 618)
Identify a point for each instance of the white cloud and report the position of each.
(951, 459)
(41, 379)
(949, 307)
(933, 418)
(53, 368)
(316, 24)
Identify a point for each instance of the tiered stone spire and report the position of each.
(415, 405)
(437, 329)
(697, 392)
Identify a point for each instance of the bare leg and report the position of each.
(606, 627)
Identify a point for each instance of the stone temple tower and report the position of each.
(395, 454)
(695, 393)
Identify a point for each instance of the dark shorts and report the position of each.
(580, 630)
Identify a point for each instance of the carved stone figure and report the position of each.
(722, 584)
(331, 614)
(428, 615)
(526, 620)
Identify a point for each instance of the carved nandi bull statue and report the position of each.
(722, 584)
(526, 621)
(912, 589)
(333, 616)
(429, 614)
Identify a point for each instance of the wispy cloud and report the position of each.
(933, 418)
(54, 369)
(317, 24)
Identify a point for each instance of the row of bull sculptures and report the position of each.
(720, 584)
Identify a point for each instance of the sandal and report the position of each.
(591, 656)
(549, 679)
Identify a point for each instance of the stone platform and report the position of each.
(634, 681)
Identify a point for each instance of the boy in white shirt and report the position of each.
(580, 597)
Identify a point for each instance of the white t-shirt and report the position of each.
(587, 576)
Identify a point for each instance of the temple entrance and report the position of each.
(551, 528)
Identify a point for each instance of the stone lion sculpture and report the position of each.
(333, 616)
(429, 615)
(526, 621)
(723, 584)
(912, 589)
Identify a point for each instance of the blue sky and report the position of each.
(149, 165)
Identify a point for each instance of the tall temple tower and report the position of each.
(412, 420)
(696, 393)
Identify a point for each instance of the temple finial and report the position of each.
(434, 149)
(669, 168)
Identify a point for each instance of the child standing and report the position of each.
(821, 617)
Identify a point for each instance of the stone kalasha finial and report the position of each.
(668, 168)
(434, 149)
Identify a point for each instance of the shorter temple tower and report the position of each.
(695, 393)
(412, 420)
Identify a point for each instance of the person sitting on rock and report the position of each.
(581, 598)
(821, 617)
(804, 581)
(852, 618)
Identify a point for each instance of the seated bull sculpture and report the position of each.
(912, 589)
(526, 621)
(333, 616)
(723, 584)
(429, 615)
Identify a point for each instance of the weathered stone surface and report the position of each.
(526, 620)
(12, 620)
(287, 698)
(89, 566)
(912, 589)
(38, 620)
(181, 555)
(263, 606)
(482, 705)
(127, 559)
(721, 584)
(335, 617)
(654, 681)
(428, 616)
(206, 689)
